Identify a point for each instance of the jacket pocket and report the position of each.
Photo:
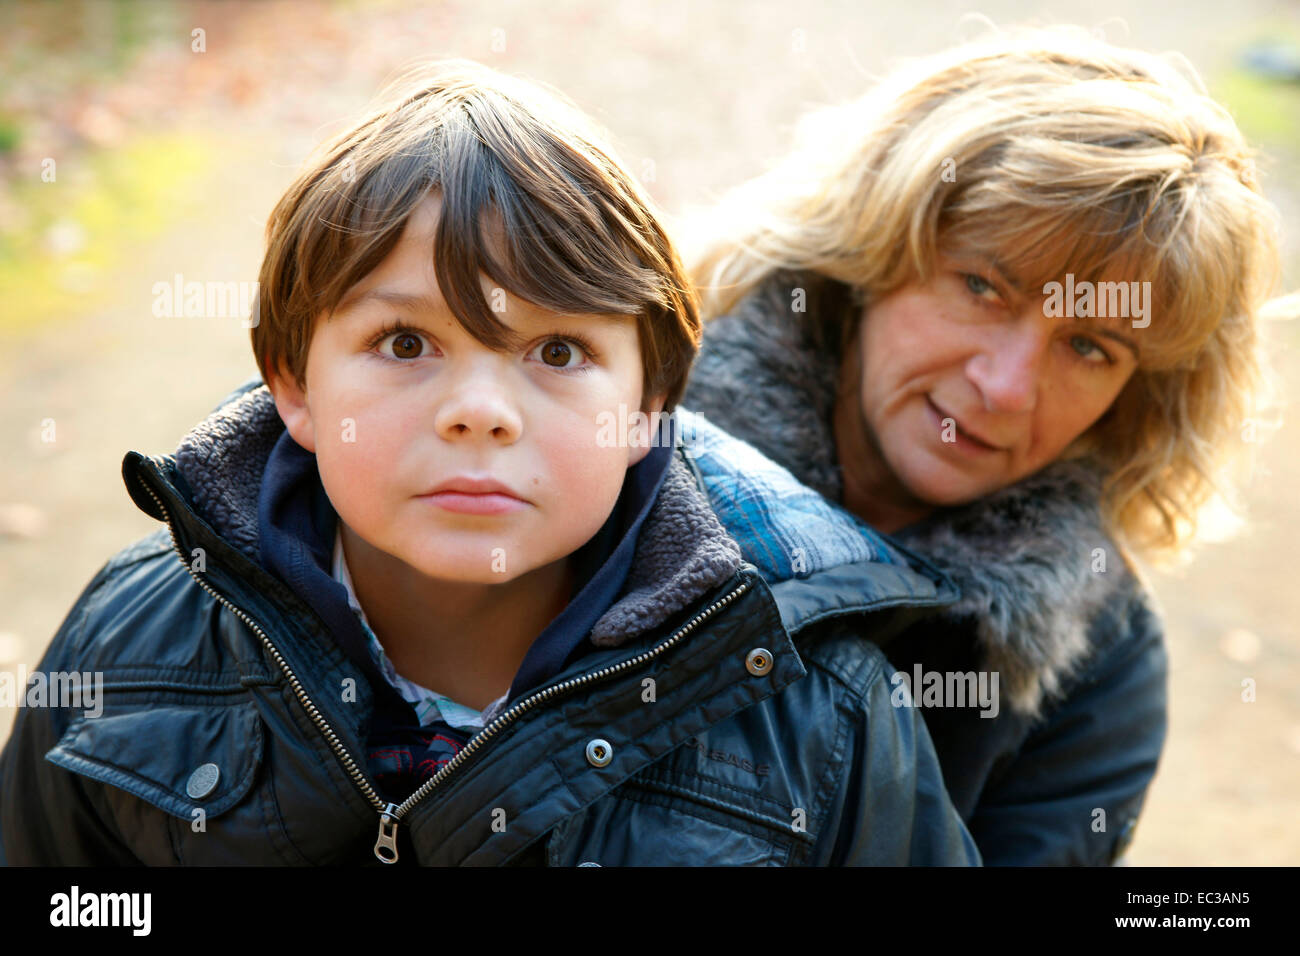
(644, 826)
(194, 761)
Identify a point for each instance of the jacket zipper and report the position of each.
(390, 814)
(326, 730)
(388, 820)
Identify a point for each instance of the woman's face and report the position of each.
(967, 386)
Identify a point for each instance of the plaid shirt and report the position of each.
(784, 528)
(430, 706)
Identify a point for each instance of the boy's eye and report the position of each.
(556, 353)
(561, 354)
(400, 344)
(407, 345)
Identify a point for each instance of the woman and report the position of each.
(1004, 308)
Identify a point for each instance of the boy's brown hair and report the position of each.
(531, 197)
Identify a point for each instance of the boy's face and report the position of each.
(392, 416)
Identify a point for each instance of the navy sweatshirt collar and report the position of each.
(297, 524)
(601, 568)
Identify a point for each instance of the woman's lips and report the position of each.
(964, 441)
(475, 504)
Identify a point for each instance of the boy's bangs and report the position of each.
(531, 204)
(539, 222)
(547, 232)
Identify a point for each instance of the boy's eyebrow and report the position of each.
(425, 303)
(421, 302)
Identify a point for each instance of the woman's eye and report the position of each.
(981, 287)
(560, 354)
(1089, 350)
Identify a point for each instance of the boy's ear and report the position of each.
(652, 407)
(291, 403)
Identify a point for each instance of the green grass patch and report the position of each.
(72, 233)
(1266, 110)
(1266, 107)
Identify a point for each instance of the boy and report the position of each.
(428, 610)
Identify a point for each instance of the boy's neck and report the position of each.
(462, 640)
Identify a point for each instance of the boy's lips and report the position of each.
(475, 485)
(475, 504)
(478, 495)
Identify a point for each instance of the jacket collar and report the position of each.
(818, 559)
(1029, 560)
(682, 552)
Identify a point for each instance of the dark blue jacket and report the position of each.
(717, 717)
(1048, 601)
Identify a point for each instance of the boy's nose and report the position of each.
(478, 408)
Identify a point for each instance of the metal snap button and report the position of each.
(758, 661)
(599, 752)
(203, 781)
(588, 863)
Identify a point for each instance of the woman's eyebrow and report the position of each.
(989, 264)
(1122, 339)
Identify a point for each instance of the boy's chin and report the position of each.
(468, 571)
(455, 566)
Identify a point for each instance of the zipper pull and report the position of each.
(386, 845)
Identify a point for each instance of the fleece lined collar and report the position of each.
(682, 552)
(1025, 558)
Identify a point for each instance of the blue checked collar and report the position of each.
(784, 528)
(818, 558)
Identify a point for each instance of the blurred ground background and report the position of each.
(168, 160)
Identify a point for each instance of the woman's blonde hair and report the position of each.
(1053, 152)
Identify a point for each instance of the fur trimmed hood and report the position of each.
(1032, 560)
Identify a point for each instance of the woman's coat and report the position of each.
(1048, 602)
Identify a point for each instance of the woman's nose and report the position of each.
(1009, 365)
(478, 404)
